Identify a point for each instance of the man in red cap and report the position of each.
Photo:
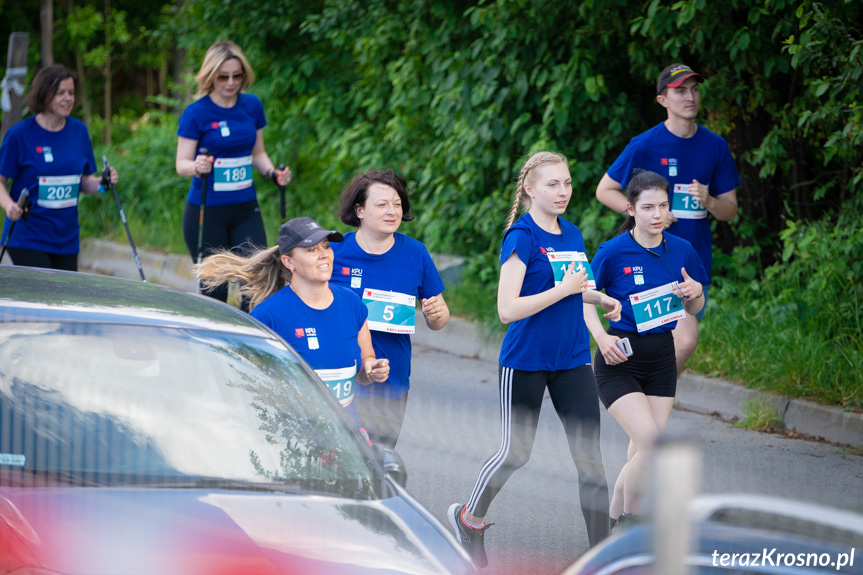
(700, 171)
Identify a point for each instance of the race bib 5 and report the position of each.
(390, 311)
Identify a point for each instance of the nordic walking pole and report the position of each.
(205, 152)
(106, 181)
(24, 204)
(281, 192)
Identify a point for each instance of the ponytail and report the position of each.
(260, 275)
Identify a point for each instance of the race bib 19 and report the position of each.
(390, 311)
(656, 307)
(57, 192)
(231, 174)
(560, 262)
(341, 382)
(684, 206)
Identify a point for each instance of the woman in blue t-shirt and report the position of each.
(545, 348)
(289, 291)
(229, 124)
(635, 364)
(390, 272)
(50, 155)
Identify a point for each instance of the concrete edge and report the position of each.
(114, 259)
(701, 394)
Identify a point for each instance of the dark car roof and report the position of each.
(32, 295)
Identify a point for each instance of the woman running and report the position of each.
(289, 291)
(390, 272)
(650, 271)
(543, 283)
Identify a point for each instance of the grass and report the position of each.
(770, 347)
(760, 414)
(780, 354)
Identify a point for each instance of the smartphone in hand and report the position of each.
(624, 346)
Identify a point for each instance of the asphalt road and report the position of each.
(452, 426)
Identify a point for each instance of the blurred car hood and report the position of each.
(126, 531)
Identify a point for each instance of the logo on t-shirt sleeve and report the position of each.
(299, 332)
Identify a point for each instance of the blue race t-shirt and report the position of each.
(705, 157)
(325, 338)
(623, 268)
(406, 269)
(229, 134)
(555, 338)
(50, 165)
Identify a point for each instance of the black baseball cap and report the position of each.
(674, 75)
(304, 232)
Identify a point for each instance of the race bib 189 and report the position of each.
(684, 205)
(57, 192)
(341, 382)
(231, 174)
(560, 262)
(390, 311)
(656, 307)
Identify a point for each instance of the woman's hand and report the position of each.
(689, 288)
(574, 282)
(609, 350)
(612, 308)
(114, 176)
(280, 177)
(435, 311)
(11, 207)
(203, 164)
(377, 370)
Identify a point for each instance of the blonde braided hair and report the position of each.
(260, 275)
(521, 197)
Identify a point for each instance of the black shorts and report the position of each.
(652, 369)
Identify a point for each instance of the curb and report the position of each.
(698, 393)
(706, 395)
(114, 259)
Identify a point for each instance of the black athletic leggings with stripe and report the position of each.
(573, 394)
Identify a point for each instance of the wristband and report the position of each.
(271, 175)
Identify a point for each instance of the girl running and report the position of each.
(545, 347)
(650, 271)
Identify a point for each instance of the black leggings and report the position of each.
(225, 227)
(573, 394)
(37, 259)
(382, 417)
